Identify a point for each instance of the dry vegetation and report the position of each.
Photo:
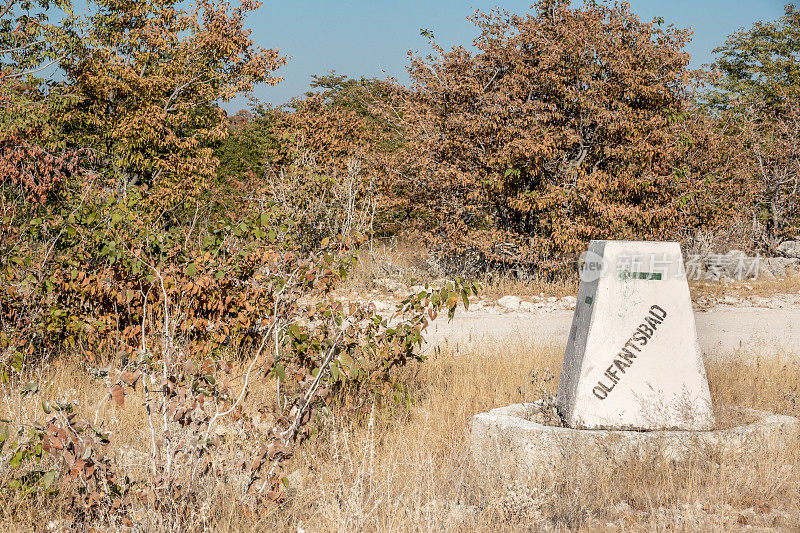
(406, 263)
(407, 467)
(763, 287)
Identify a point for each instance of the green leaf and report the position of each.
(17, 459)
(191, 269)
(48, 478)
(296, 332)
(280, 371)
(30, 388)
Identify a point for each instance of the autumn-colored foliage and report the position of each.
(556, 130)
(147, 78)
(337, 140)
(324, 133)
(760, 142)
(120, 247)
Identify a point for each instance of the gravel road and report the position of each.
(721, 331)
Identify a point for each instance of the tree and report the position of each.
(332, 150)
(755, 97)
(555, 131)
(241, 153)
(359, 95)
(97, 259)
(30, 41)
(148, 78)
(760, 65)
(109, 154)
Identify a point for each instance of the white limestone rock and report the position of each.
(632, 360)
(790, 249)
(778, 266)
(511, 303)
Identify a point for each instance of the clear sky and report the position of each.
(372, 38)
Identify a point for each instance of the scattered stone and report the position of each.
(765, 273)
(736, 265)
(477, 305)
(509, 302)
(778, 266)
(790, 249)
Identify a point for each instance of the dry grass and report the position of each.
(412, 472)
(408, 468)
(403, 261)
(763, 287)
(407, 263)
(497, 287)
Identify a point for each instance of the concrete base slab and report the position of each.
(508, 438)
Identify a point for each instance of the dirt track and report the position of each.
(721, 331)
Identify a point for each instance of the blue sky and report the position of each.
(373, 38)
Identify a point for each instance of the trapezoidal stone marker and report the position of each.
(632, 360)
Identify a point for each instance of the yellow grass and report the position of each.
(763, 287)
(409, 468)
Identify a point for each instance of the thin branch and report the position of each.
(34, 71)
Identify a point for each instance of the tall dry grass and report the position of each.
(407, 467)
(413, 472)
